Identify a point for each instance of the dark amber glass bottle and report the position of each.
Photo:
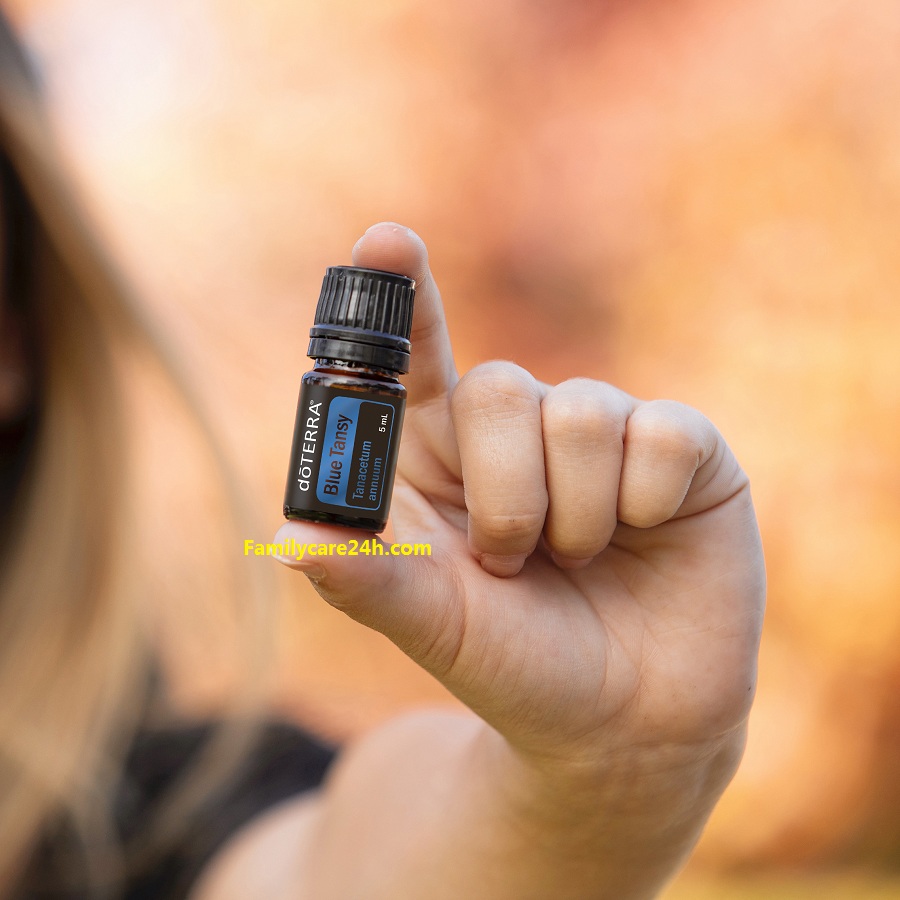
(350, 410)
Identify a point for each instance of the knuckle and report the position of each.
(575, 413)
(495, 385)
(515, 528)
(671, 428)
(570, 412)
(576, 409)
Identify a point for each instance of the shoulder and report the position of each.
(267, 857)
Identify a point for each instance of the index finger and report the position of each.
(396, 248)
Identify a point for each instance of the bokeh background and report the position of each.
(691, 199)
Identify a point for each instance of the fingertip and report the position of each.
(346, 556)
(392, 247)
(502, 566)
(571, 563)
(315, 572)
(291, 542)
(390, 226)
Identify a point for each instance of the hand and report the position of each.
(597, 581)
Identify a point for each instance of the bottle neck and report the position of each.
(358, 369)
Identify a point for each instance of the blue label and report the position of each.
(355, 453)
(337, 450)
(369, 468)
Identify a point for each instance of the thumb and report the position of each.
(410, 599)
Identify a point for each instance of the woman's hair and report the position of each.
(73, 661)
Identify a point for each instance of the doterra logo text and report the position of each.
(304, 473)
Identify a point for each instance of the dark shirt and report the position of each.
(283, 762)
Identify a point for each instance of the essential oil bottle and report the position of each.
(350, 410)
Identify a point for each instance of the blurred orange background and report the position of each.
(689, 199)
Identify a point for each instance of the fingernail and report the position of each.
(394, 226)
(502, 566)
(312, 570)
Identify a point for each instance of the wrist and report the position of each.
(630, 816)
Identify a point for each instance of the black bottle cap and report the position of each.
(364, 316)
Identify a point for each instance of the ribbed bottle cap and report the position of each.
(365, 316)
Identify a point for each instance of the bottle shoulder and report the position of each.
(357, 382)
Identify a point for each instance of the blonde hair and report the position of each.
(73, 657)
